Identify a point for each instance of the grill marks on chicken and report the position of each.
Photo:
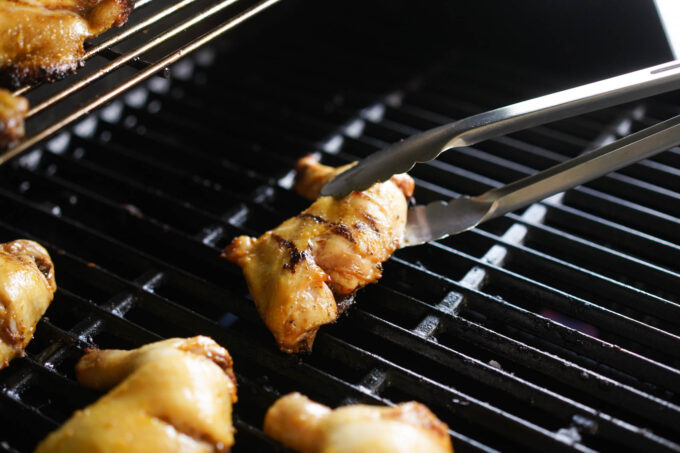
(27, 287)
(42, 40)
(171, 396)
(13, 110)
(308, 427)
(303, 273)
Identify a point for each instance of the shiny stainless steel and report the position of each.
(440, 219)
(129, 82)
(402, 156)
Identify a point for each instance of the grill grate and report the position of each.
(555, 328)
(156, 35)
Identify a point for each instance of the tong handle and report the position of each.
(400, 157)
(583, 168)
(565, 104)
(439, 219)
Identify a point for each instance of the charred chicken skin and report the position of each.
(13, 110)
(170, 396)
(42, 40)
(308, 427)
(301, 273)
(27, 287)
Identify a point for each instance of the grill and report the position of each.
(555, 328)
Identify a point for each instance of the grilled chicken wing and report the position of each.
(170, 396)
(13, 109)
(43, 39)
(308, 427)
(302, 273)
(27, 287)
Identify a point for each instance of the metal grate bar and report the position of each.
(395, 306)
(620, 210)
(603, 231)
(594, 285)
(448, 358)
(435, 395)
(596, 257)
(410, 386)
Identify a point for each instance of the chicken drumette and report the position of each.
(302, 273)
(308, 427)
(27, 287)
(43, 39)
(171, 396)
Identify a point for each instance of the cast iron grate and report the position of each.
(551, 329)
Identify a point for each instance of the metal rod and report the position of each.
(121, 36)
(55, 127)
(138, 27)
(115, 64)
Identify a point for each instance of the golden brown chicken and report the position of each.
(13, 110)
(302, 273)
(27, 287)
(170, 396)
(42, 40)
(308, 427)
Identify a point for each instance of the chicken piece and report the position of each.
(27, 287)
(309, 427)
(42, 40)
(302, 274)
(170, 396)
(13, 110)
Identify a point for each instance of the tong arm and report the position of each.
(400, 157)
(440, 219)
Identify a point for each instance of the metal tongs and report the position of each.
(440, 219)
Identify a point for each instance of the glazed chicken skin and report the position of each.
(42, 40)
(170, 396)
(302, 273)
(27, 287)
(308, 427)
(13, 110)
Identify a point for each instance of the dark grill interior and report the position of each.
(552, 329)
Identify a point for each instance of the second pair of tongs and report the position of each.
(440, 219)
